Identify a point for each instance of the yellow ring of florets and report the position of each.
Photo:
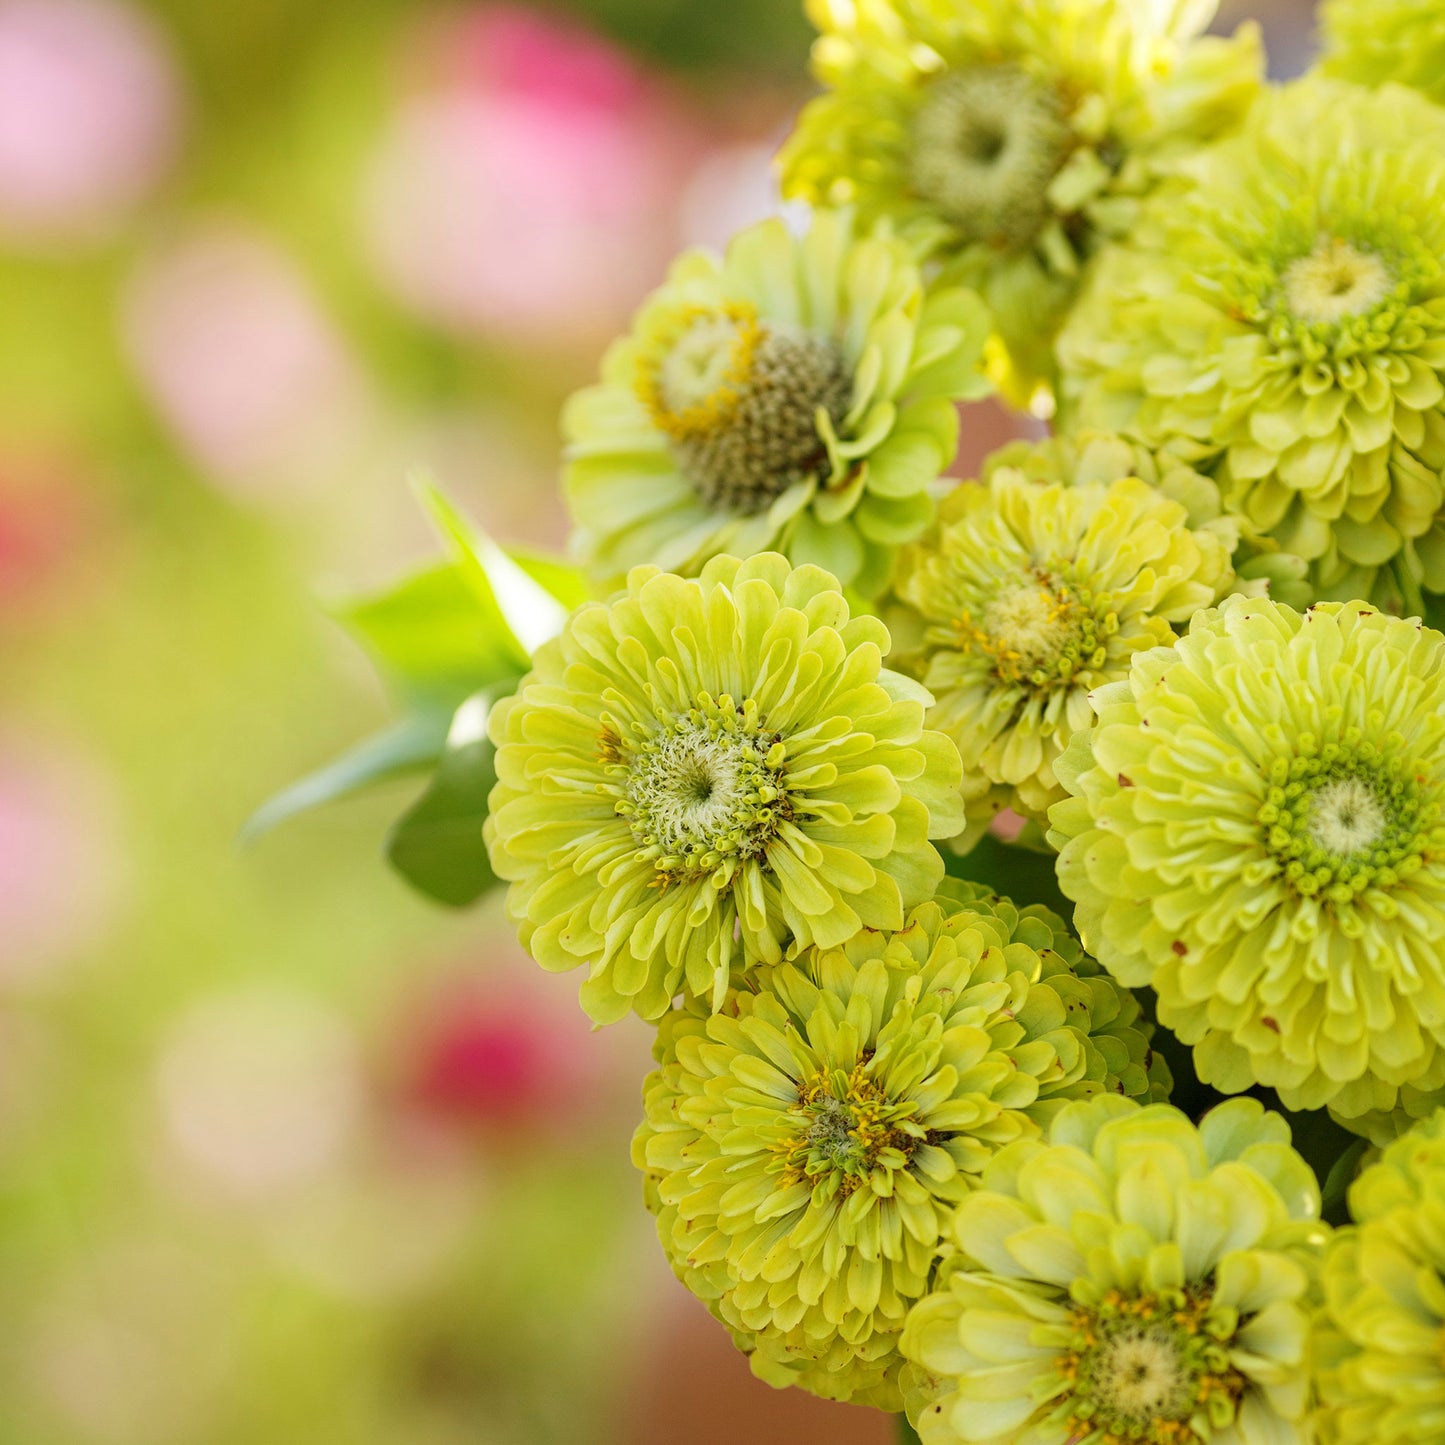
(1047, 649)
(702, 419)
(847, 1125)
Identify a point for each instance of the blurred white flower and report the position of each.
(261, 1091)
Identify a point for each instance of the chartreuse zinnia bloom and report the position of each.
(1256, 831)
(1007, 138)
(1261, 567)
(1133, 1279)
(1374, 41)
(797, 394)
(1115, 1022)
(805, 1146)
(1381, 1344)
(712, 773)
(1031, 595)
(1281, 323)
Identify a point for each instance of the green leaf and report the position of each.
(410, 746)
(1317, 1138)
(436, 845)
(1433, 611)
(564, 581)
(432, 639)
(1022, 874)
(907, 1435)
(456, 630)
(526, 613)
(1336, 1208)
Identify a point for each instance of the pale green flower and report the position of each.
(1117, 1025)
(1132, 1280)
(707, 774)
(1280, 323)
(1030, 596)
(1261, 567)
(806, 1144)
(1007, 138)
(1256, 832)
(1375, 41)
(795, 395)
(1381, 1343)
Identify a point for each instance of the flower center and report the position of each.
(702, 792)
(1344, 817)
(987, 143)
(1335, 281)
(846, 1127)
(738, 400)
(1139, 1369)
(1040, 633)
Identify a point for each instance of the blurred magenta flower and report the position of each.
(528, 187)
(498, 1051)
(238, 355)
(90, 116)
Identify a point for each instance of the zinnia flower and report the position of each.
(1256, 831)
(1281, 324)
(1262, 568)
(796, 395)
(806, 1145)
(1032, 595)
(1381, 1372)
(1117, 1025)
(707, 774)
(1133, 1280)
(1007, 137)
(1374, 41)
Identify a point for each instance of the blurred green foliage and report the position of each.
(178, 648)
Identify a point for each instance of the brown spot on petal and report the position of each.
(1125, 781)
(1270, 1024)
(1180, 947)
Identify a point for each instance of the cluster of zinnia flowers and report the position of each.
(910, 1135)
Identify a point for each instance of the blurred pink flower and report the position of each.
(45, 514)
(90, 113)
(529, 188)
(60, 863)
(241, 360)
(501, 1050)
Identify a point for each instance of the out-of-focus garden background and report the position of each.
(286, 1154)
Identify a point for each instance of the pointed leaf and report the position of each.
(527, 614)
(410, 746)
(564, 581)
(436, 845)
(432, 639)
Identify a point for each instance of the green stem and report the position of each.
(907, 1435)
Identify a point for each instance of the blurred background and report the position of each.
(287, 1155)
